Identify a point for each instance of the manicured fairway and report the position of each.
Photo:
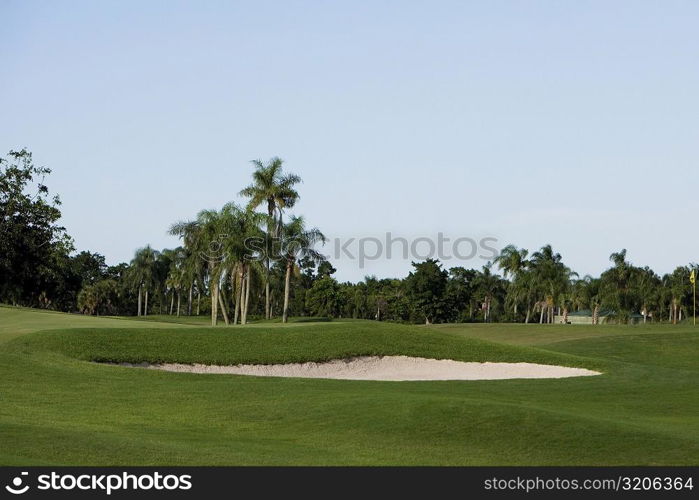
(57, 407)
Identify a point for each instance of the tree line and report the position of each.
(257, 261)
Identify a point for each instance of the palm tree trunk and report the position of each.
(526, 318)
(172, 303)
(287, 286)
(223, 307)
(674, 312)
(198, 301)
(145, 308)
(237, 278)
(241, 296)
(214, 305)
(189, 300)
(541, 316)
(271, 228)
(179, 297)
(140, 293)
(213, 285)
(247, 294)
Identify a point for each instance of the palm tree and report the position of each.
(627, 289)
(176, 277)
(218, 240)
(513, 261)
(161, 271)
(240, 257)
(485, 284)
(202, 240)
(298, 243)
(141, 274)
(271, 186)
(678, 289)
(194, 265)
(552, 279)
(648, 286)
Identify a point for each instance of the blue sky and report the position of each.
(570, 123)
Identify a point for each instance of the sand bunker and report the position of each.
(394, 368)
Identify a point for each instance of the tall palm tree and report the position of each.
(648, 288)
(485, 284)
(194, 264)
(176, 277)
(218, 240)
(552, 279)
(679, 289)
(513, 261)
(202, 239)
(141, 274)
(272, 187)
(298, 243)
(239, 256)
(161, 271)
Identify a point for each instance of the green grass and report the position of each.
(315, 342)
(57, 407)
(204, 320)
(16, 321)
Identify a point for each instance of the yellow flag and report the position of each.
(692, 277)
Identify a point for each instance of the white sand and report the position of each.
(395, 368)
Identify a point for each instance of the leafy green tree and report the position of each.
(324, 298)
(426, 287)
(617, 287)
(325, 268)
(89, 267)
(99, 298)
(34, 248)
(460, 293)
(648, 286)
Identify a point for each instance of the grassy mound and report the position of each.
(278, 345)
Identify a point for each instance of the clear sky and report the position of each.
(574, 123)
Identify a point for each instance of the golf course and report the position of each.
(61, 405)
